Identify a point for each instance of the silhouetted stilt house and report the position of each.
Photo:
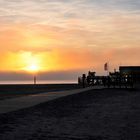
(133, 70)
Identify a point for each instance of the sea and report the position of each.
(39, 82)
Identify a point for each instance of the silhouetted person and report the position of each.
(79, 80)
(120, 80)
(108, 81)
(104, 81)
(88, 80)
(83, 80)
(34, 80)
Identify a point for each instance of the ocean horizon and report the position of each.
(38, 82)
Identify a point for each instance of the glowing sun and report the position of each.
(32, 68)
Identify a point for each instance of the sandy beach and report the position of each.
(12, 91)
(105, 114)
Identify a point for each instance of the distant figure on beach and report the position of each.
(88, 80)
(83, 80)
(108, 81)
(79, 80)
(104, 81)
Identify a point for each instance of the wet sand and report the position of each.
(105, 114)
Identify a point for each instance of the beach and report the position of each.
(18, 90)
(103, 114)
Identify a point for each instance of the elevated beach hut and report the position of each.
(133, 70)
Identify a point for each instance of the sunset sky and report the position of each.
(64, 38)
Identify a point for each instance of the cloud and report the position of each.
(84, 33)
(59, 75)
(60, 13)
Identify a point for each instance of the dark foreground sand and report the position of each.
(106, 114)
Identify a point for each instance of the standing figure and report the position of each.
(83, 80)
(108, 81)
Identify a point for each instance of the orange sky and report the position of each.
(83, 35)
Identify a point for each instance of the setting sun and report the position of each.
(30, 62)
(41, 40)
(32, 68)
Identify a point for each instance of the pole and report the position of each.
(34, 79)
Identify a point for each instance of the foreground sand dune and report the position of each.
(105, 114)
(9, 105)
